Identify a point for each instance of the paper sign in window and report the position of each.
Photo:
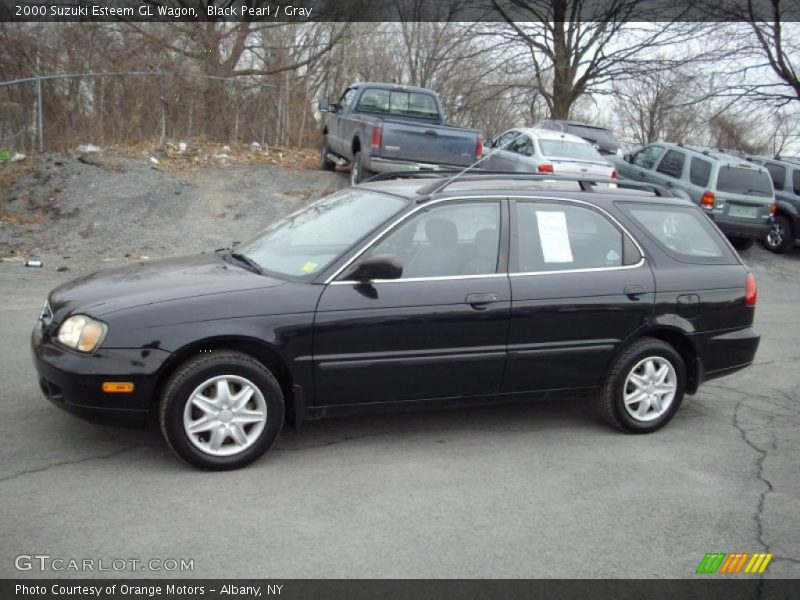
(554, 236)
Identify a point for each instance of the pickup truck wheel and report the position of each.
(780, 237)
(645, 387)
(221, 410)
(326, 163)
(358, 173)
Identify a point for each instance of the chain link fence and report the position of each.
(57, 112)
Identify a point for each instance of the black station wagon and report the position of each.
(409, 292)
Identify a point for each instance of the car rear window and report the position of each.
(744, 181)
(567, 149)
(398, 102)
(683, 232)
(598, 136)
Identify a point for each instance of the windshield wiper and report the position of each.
(243, 258)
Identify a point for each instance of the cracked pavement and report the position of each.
(536, 490)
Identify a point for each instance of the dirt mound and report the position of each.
(116, 207)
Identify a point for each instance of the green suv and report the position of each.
(735, 193)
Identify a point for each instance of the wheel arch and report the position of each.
(683, 345)
(263, 352)
(355, 145)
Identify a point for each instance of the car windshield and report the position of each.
(567, 149)
(593, 134)
(744, 181)
(307, 241)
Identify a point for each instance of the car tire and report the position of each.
(326, 163)
(742, 244)
(206, 392)
(780, 237)
(656, 407)
(358, 172)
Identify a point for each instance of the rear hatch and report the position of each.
(574, 159)
(743, 193)
(428, 144)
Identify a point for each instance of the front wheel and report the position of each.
(645, 387)
(780, 237)
(221, 410)
(326, 163)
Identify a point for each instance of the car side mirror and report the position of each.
(380, 266)
(487, 145)
(324, 105)
(628, 157)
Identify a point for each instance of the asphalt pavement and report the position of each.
(529, 490)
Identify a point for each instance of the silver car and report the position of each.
(528, 150)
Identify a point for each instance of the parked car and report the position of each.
(735, 193)
(404, 294)
(379, 127)
(542, 151)
(785, 173)
(600, 137)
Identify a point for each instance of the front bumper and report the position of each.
(73, 381)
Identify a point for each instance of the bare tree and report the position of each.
(579, 47)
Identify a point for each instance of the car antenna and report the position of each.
(450, 180)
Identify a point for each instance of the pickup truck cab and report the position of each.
(381, 127)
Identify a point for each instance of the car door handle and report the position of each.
(634, 291)
(642, 174)
(479, 301)
(431, 133)
(668, 183)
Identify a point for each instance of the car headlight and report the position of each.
(82, 333)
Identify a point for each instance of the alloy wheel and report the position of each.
(776, 235)
(650, 388)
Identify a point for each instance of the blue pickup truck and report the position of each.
(380, 127)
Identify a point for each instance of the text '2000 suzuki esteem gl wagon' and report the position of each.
(408, 293)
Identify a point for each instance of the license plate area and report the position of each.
(747, 212)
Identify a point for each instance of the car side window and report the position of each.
(699, 171)
(672, 164)
(347, 98)
(447, 240)
(778, 174)
(562, 237)
(523, 146)
(796, 182)
(648, 156)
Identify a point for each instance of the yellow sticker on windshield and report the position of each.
(309, 267)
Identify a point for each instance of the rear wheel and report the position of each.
(742, 243)
(326, 163)
(221, 411)
(780, 237)
(358, 172)
(645, 387)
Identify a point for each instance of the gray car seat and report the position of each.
(440, 256)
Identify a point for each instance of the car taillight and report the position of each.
(707, 200)
(545, 168)
(479, 148)
(614, 174)
(750, 290)
(377, 134)
(773, 208)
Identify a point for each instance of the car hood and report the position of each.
(152, 282)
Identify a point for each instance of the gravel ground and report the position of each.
(530, 490)
(112, 208)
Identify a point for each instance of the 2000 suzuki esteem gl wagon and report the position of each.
(414, 292)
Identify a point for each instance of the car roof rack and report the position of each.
(421, 174)
(585, 184)
(795, 160)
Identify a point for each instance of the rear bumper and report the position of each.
(387, 165)
(74, 382)
(756, 231)
(721, 353)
